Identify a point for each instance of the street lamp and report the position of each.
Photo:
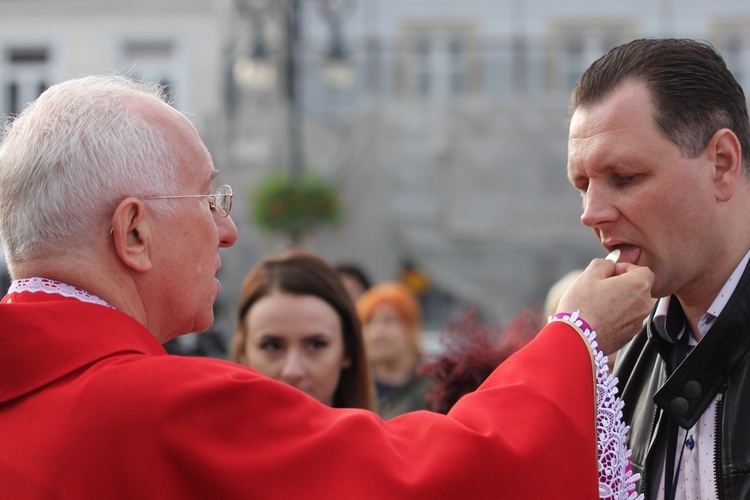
(257, 72)
(257, 69)
(337, 70)
(254, 68)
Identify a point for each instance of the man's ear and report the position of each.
(131, 231)
(725, 153)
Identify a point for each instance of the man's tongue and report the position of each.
(629, 253)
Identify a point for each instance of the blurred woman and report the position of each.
(392, 325)
(297, 324)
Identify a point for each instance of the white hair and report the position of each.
(70, 157)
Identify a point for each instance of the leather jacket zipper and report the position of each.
(650, 438)
(718, 477)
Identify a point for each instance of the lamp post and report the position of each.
(290, 203)
(256, 69)
(338, 72)
(294, 46)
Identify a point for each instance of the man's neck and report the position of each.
(698, 301)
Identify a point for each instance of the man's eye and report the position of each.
(624, 180)
(581, 184)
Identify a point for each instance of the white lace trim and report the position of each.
(45, 285)
(616, 479)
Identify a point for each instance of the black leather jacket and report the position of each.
(718, 366)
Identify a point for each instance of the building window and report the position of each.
(457, 66)
(26, 70)
(148, 50)
(731, 37)
(573, 47)
(519, 65)
(733, 55)
(423, 67)
(575, 62)
(152, 61)
(437, 62)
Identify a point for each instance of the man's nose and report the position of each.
(598, 207)
(227, 231)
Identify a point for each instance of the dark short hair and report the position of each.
(355, 271)
(694, 94)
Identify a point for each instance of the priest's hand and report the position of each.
(614, 298)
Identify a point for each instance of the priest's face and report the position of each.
(186, 242)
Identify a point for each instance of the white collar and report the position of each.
(45, 285)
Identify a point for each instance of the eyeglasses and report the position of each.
(221, 202)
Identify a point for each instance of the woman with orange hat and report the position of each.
(392, 325)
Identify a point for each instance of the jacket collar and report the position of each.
(694, 384)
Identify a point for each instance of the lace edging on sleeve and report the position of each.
(616, 478)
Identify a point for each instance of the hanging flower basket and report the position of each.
(295, 206)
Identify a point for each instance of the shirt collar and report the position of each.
(669, 319)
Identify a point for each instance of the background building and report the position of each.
(445, 130)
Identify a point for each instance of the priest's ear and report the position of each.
(131, 230)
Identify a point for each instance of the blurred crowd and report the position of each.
(330, 330)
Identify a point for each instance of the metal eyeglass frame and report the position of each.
(224, 193)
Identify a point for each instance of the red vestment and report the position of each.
(91, 406)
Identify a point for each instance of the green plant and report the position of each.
(295, 205)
